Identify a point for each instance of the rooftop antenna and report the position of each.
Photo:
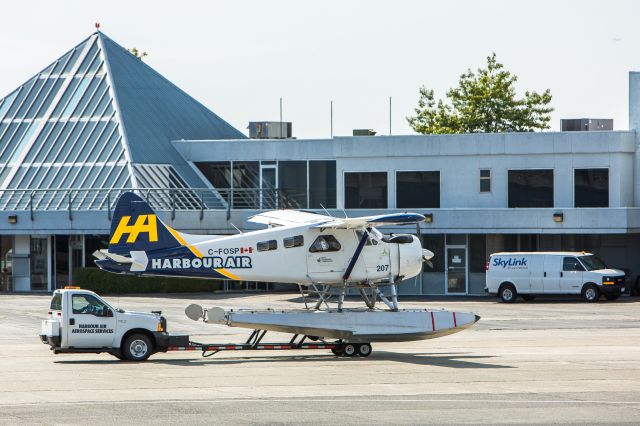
(331, 119)
(281, 132)
(389, 115)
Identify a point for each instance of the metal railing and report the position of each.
(175, 199)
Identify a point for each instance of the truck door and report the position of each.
(571, 279)
(90, 323)
(551, 274)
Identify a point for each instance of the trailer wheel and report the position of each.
(364, 350)
(137, 347)
(349, 350)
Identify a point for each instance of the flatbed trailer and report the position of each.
(254, 343)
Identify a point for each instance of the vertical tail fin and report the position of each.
(135, 227)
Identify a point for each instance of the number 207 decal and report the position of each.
(382, 268)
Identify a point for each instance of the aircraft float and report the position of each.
(327, 257)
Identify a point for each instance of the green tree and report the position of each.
(484, 101)
(140, 55)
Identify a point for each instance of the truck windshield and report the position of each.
(592, 263)
(56, 302)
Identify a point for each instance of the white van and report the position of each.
(528, 274)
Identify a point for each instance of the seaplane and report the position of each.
(327, 257)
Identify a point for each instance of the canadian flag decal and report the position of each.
(246, 250)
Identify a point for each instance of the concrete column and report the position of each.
(634, 100)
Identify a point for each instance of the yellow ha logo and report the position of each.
(145, 223)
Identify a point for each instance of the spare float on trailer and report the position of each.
(80, 321)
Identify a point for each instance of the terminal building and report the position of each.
(99, 121)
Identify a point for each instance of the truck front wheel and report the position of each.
(137, 347)
(591, 293)
(508, 293)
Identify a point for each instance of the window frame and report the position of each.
(344, 189)
(325, 251)
(490, 179)
(395, 188)
(553, 181)
(577, 262)
(271, 245)
(298, 241)
(573, 187)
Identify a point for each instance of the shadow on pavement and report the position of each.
(433, 359)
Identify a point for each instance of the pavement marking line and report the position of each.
(347, 400)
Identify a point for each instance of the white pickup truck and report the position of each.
(80, 321)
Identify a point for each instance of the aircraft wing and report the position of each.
(379, 220)
(288, 218)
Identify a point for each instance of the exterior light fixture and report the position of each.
(558, 217)
(13, 219)
(428, 217)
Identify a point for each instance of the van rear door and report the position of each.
(536, 274)
(551, 274)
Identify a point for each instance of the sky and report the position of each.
(240, 57)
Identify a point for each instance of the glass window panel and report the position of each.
(218, 173)
(530, 188)
(14, 184)
(84, 148)
(26, 137)
(36, 105)
(322, 184)
(38, 142)
(55, 178)
(4, 107)
(11, 137)
(53, 145)
(485, 180)
(97, 66)
(89, 58)
(292, 181)
(31, 96)
(45, 141)
(434, 243)
(61, 63)
(50, 97)
(48, 70)
(112, 148)
(246, 174)
(89, 93)
(22, 94)
(75, 98)
(65, 97)
(74, 58)
(591, 188)
(365, 190)
(95, 99)
(418, 189)
(108, 111)
(478, 253)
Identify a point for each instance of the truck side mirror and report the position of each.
(106, 312)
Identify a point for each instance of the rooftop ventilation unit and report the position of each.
(585, 124)
(364, 132)
(270, 129)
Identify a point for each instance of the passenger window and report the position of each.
(267, 245)
(571, 264)
(87, 304)
(296, 241)
(325, 243)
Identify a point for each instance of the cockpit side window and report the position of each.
(325, 243)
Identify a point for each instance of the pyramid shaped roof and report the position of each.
(98, 117)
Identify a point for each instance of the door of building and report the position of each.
(268, 186)
(456, 271)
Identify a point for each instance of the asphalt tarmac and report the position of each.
(547, 361)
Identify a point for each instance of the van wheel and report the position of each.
(591, 293)
(508, 293)
(137, 347)
(611, 296)
(528, 297)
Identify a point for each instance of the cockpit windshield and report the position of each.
(592, 263)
